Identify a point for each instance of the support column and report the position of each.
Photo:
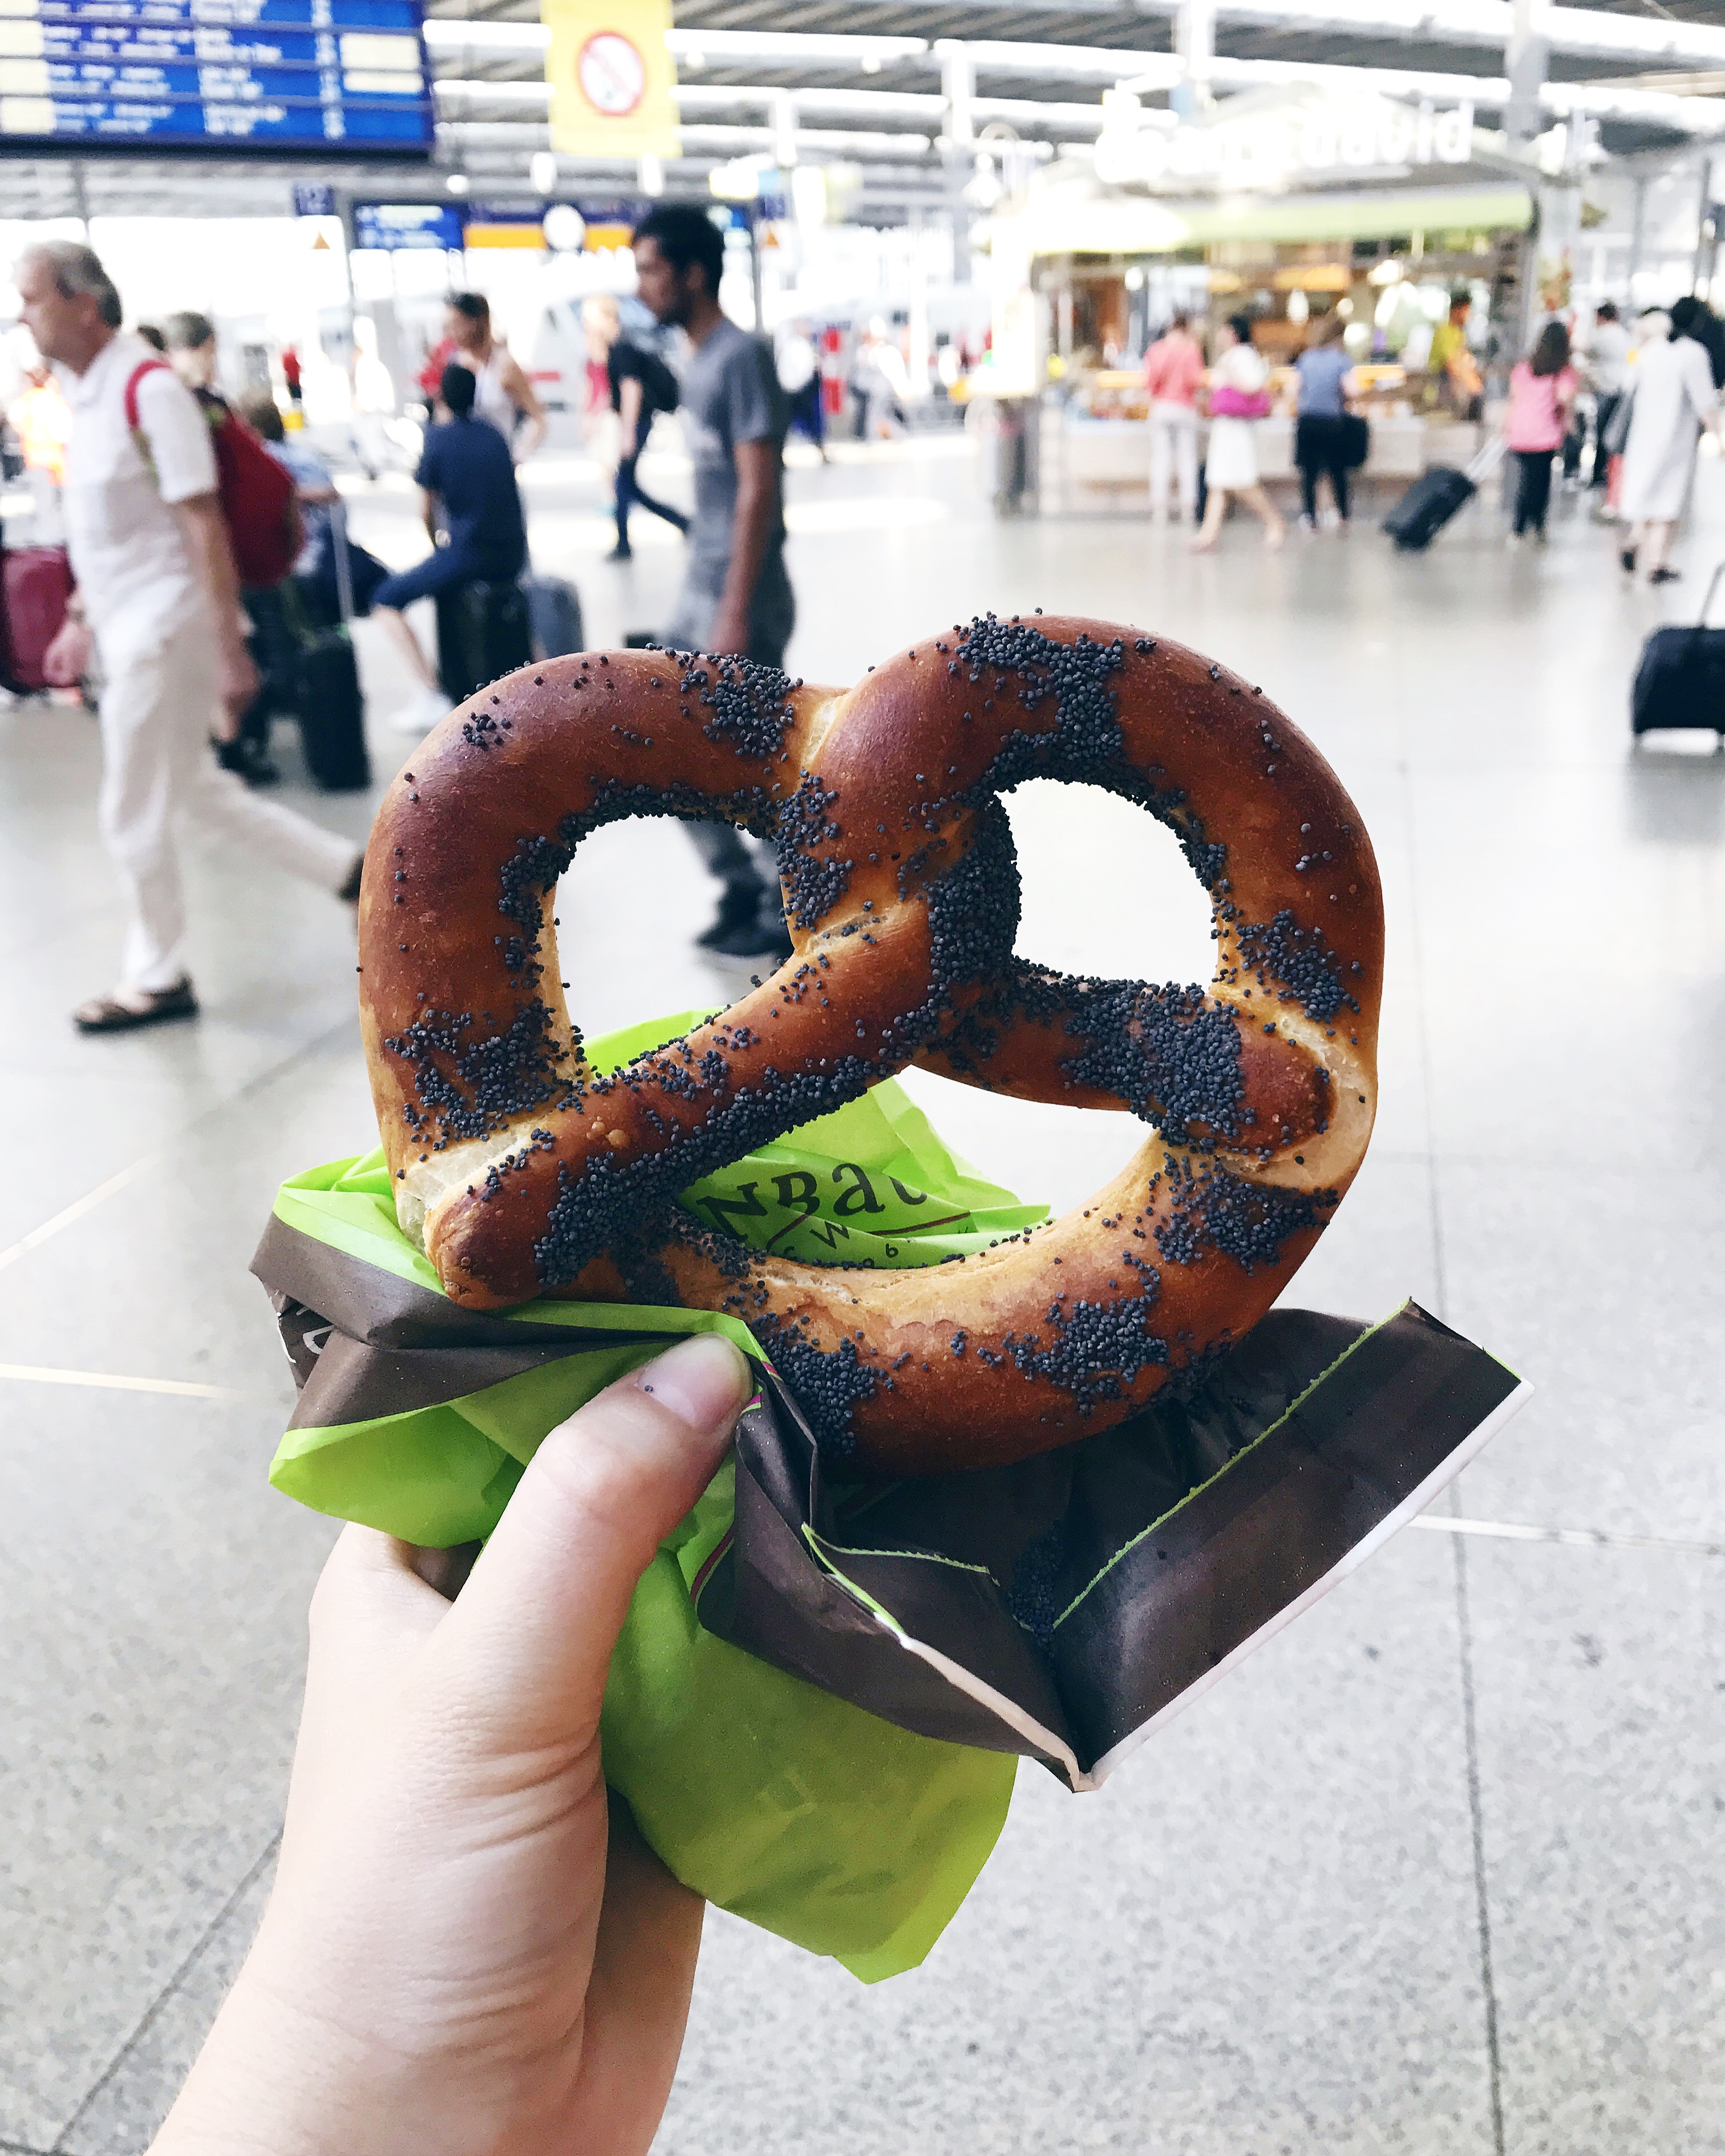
(1638, 230)
(1196, 47)
(753, 211)
(1526, 58)
(917, 359)
(784, 129)
(958, 88)
(1704, 237)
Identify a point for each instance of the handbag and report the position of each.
(1228, 403)
(1356, 441)
(1616, 435)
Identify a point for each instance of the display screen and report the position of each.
(407, 227)
(288, 78)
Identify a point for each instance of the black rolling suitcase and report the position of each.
(1680, 679)
(482, 630)
(327, 699)
(1435, 497)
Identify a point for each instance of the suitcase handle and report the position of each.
(344, 568)
(1706, 604)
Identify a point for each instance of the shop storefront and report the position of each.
(1285, 206)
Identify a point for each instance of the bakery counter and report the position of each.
(1098, 462)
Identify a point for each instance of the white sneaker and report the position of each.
(421, 712)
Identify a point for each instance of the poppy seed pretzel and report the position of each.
(527, 1173)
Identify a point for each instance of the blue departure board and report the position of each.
(293, 79)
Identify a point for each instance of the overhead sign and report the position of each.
(611, 78)
(407, 227)
(284, 79)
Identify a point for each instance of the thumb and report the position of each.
(525, 1648)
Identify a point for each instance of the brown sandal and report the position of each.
(108, 1014)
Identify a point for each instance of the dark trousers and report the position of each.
(629, 491)
(1320, 448)
(808, 412)
(1533, 489)
(1604, 413)
(275, 650)
(736, 860)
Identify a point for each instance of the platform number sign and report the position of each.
(612, 74)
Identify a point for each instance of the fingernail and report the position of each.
(703, 1380)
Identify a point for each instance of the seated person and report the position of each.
(314, 570)
(466, 475)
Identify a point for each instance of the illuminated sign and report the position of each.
(1273, 149)
(407, 227)
(282, 78)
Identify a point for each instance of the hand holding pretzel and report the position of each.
(527, 1173)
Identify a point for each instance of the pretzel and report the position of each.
(526, 1173)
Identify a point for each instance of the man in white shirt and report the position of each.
(158, 587)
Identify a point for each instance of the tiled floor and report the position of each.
(1437, 1870)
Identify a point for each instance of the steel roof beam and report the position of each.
(1591, 33)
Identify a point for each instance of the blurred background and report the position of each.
(1438, 1868)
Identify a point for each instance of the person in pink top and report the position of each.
(1174, 368)
(1542, 397)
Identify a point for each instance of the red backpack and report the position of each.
(258, 495)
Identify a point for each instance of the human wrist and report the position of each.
(284, 2073)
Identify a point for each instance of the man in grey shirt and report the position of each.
(735, 596)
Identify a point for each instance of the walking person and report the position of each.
(799, 376)
(503, 395)
(1321, 432)
(1238, 399)
(1173, 372)
(1605, 361)
(641, 386)
(1676, 395)
(158, 591)
(736, 595)
(189, 340)
(466, 480)
(293, 375)
(1542, 404)
(878, 382)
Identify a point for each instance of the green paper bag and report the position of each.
(767, 1795)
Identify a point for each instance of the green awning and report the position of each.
(1120, 223)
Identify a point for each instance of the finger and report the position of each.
(370, 1614)
(523, 1654)
(638, 1998)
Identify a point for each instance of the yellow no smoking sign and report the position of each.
(611, 78)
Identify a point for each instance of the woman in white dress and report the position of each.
(1674, 397)
(1230, 466)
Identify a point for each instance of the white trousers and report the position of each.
(1173, 446)
(158, 699)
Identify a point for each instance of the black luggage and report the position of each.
(1427, 507)
(482, 631)
(1435, 497)
(1680, 679)
(553, 616)
(327, 699)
